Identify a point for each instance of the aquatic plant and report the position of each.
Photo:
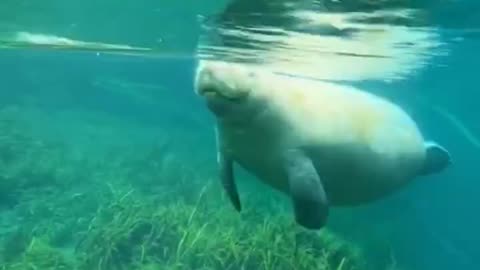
(28, 162)
(40, 255)
(132, 230)
(142, 208)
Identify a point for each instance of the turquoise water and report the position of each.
(107, 156)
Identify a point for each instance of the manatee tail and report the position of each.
(437, 158)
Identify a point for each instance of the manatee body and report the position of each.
(322, 144)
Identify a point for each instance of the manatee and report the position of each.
(322, 144)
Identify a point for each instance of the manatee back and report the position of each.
(312, 112)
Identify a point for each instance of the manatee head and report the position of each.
(228, 89)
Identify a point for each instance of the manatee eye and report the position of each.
(251, 74)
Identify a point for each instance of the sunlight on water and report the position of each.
(379, 44)
(26, 39)
(331, 40)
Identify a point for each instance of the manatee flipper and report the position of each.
(228, 181)
(306, 190)
(437, 158)
(227, 176)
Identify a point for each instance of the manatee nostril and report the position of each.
(206, 74)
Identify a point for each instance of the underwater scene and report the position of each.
(239, 134)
